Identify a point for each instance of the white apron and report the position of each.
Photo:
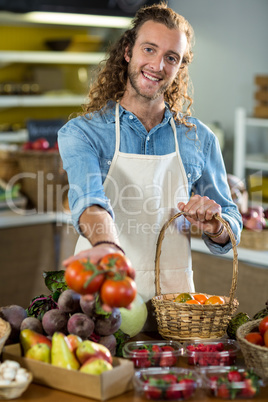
(144, 191)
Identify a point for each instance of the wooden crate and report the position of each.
(261, 96)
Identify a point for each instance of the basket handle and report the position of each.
(158, 252)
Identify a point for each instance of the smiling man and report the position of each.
(135, 156)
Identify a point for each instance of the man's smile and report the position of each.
(150, 77)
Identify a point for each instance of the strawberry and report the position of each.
(167, 357)
(223, 391)
(187, 388)
(249, 389)
(173, 393)
(234, 376)
(140, 358)
(155, 354)
(152, 392)
(169, 378)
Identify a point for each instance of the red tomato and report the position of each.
(254, 337)
(265, 338)
(118, 292)
(83, 277)
(117, 263)
(41, 144)
(263, 326)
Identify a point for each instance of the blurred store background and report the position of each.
(49, 51)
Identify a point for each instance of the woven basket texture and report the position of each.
(255, 356)
(5, 330)
(9, 165)
(44, 181)
(181, 321)
(254, 240)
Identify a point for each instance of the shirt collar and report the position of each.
(109, 116)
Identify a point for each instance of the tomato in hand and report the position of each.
(118, 292)
(84, 277)
(263, 325)
(254, 337)
(117, 262)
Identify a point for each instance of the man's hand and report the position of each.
(201, 211)
(94, 253)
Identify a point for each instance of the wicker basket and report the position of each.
(182, 321)
(255, 356)
(9, 165)
(254, 240)
(5, 330)
(43, 180)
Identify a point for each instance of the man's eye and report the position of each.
(148, 49)
(172, 59)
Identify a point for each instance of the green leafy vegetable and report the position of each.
(121, 339)
(54, 280)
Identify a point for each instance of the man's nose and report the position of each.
(158, 63)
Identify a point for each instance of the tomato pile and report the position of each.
(214, 354)
(259, 337)
(170, 386)
(113, 278)
(234, 384)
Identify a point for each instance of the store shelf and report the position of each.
(11, 136)
(242, 159)
(8, 57)
(40, 100)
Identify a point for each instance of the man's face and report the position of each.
(156, 58)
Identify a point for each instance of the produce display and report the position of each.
(231, 382)
(198, 298)
(259, 335)
(65, 311)
(175, 384)
(69, 352)
(40, 144)
(152, 353)
(210, 353)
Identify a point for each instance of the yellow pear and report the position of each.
(61, 355)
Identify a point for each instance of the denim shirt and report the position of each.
(87, 148)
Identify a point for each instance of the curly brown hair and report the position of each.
(111, 80)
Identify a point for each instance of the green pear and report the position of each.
(40, 352)
(61, 355)
(88, 349)
(29, 338)
(96, 366)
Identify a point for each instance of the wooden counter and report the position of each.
(37, 393)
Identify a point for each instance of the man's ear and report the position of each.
(126, 54)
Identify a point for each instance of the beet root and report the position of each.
(81, 325)
(14, 314)
(55, 321)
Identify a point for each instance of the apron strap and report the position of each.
(117, 128)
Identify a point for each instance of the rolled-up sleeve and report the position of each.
(213, 184)
(81, 163)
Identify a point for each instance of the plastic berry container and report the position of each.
(222, 352)
(146, 354)
(166, 384)
(230, 382)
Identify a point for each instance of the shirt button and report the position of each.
(148, 138)
(130, 116)
(189, 175)
(109, 162)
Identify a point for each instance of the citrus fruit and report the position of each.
(193, 301)
(200, 297)
(183, 297)
(214, 300)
